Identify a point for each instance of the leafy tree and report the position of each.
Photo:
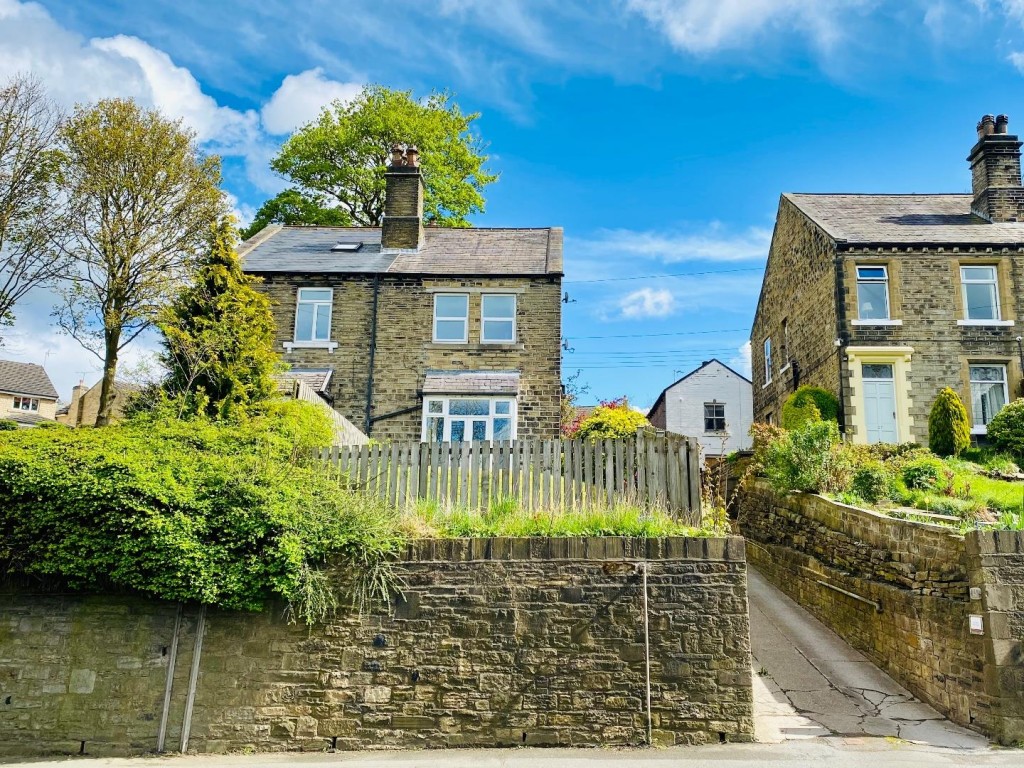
(292, 206)
(343, 155)
(612, 419)
(219, 334)
(29, 172)
(138, 203)
(949, 434)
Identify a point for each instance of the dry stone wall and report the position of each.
(495, 642)
(900, 592)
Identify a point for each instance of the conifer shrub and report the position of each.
(1006, 430)
(949, 433)
(795, 411)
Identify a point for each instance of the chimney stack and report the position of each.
(402, 229)
(995, 172)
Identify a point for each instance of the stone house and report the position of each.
(885, 299)
(85, 403)
(712, 403)
(420, 333)
(27, 395)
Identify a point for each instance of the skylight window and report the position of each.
(350, 247)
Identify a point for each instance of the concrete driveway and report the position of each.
(809, 683)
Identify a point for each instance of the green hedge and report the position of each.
(182, 510)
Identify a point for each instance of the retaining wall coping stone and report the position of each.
(501, 548)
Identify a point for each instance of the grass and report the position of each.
(504, 517)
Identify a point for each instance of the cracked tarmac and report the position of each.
(808, 683)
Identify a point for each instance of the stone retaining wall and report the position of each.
(495, 642)
(910, 602)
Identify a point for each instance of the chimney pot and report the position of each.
(1002, 122)
(396, 155)
(412, 156)
(988, 125)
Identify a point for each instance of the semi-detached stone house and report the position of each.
(886, 299)
(420, 333)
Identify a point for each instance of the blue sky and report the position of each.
(659, 133)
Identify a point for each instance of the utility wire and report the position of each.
(665, 274)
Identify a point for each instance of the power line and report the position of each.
(654, 335)
(666, 274)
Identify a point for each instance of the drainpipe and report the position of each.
(368, 421)
(642, 568)
(840, 336)
(1020, 354)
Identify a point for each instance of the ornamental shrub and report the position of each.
(1006, 430)
(796, 415)
(948, 431)
(826, 403)
(225, 515)
(7, 425)
(871, 481)
(807, 459)
(612, 419)
(926, 474)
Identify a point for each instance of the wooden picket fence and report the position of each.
(650, 469)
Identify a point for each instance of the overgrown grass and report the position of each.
(504, 517)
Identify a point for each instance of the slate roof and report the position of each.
(471, 383)
(25, 379)
(25, 419)
(905, 220)
(316, 378)
(445, 251)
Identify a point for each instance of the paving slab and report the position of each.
(810, 684)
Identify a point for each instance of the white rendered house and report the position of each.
(713, 404)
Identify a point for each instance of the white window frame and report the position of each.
(21, 403)
(994, 282)
(768, 361)
(484, 318)
(463, 318)
(319, 306)
(715, 405)
(448, 417)
(884, 281)
(977, 426)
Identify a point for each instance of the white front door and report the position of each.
(880, 403)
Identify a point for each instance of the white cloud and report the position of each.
(77, 70)
(704, 26)
(711, 243)
(300, 98)
(741, 362)
(647, 302)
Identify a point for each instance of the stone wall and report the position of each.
(405, 348)
(899, 592)
(495, 642)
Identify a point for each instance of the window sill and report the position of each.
(766, 384)
(785, 368)
(979, 431)
(463, 346)
(876, 322)
(983, 323)
(291, 346)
